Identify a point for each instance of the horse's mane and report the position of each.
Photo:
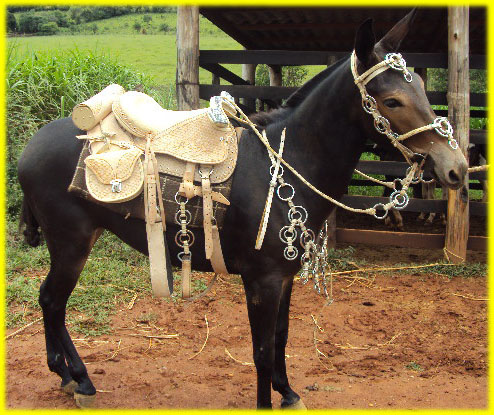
(264, 118)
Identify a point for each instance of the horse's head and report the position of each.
(392, 93)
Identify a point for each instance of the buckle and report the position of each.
(116, 185)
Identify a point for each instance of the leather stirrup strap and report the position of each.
(207, 212)
(154, 230)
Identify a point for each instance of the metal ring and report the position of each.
(384, 208)
(425, 181)
(280, 170)
(443, 127)
(205, 175)
(307, 237)
(179, 238)
(395, 199)
(181, 254)
(369, 104)
(415, 180)
(290, 253)
(302, 214)
(188, 217)
(453, 146)
(407, 75)
(287, 198)
(283, 234)
(382, 124)
(398, 182)
(177, 194)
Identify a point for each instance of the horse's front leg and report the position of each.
(263, 294)
(289, 398)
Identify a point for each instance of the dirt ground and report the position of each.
(405, 341)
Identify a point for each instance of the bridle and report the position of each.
(396, 62)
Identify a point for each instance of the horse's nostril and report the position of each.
(453, 177)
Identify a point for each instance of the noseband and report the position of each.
(396, 62)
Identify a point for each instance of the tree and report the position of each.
(11, 22)
(49, 28)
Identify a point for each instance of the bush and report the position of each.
(49, 28)
(137, 26)
(30, 22)
(147, 18)
(36, 86)
(291, 75)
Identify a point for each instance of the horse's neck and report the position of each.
(323, 141)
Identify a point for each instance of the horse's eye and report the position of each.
(392, 103)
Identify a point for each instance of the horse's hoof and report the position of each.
(299, 405)
(84, 401)
(69, 388)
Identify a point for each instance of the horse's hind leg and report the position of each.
(279, 378)
(68, 253)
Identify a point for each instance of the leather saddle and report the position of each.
(132, 139)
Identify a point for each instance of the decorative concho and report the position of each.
(443, 127)
(395, 61)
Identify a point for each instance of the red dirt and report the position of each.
(405, 341)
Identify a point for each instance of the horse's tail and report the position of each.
(28, 222)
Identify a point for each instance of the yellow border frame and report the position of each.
(347, 3)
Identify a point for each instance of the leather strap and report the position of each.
(154, 229)
(207, 211)
(188, 181)
(197, 191)
(186, 273)
(217, 259)
(267, 207)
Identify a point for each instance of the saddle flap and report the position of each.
(114, 165)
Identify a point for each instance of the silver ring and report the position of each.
(443, 127)
(176, 200)
(188, 217)
(287, 233)
(181, 238)
(425, 181)
(287, 198)
(385, 211)
(302, 214)
(395, 199)
(290, 253)
(369, 104)
(382, 124)
(307, 237)
(453, 143)
(280, 171)
(181, 254)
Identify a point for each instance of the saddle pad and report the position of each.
(115, 176)
(140, 114)
(169, 186)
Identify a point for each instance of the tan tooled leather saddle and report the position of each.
(131, 139)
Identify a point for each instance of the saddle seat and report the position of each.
(198, 136)
(140, 114)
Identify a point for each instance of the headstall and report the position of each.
(396, 62)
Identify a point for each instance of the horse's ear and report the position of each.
(364, 42)
(392, 40)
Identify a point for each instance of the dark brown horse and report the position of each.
(326, 130)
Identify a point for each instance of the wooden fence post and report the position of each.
(457, 228)
(249, 75)
(187, 58)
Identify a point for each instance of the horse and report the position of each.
(326, 131)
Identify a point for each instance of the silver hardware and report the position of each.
(285, 199)
(443, 127)
(182, 239)
(206, 174)
(290, 253)
(116, 185)
(380, 205)
(453, 143)
(425, 181)
(177, 195)
(300, 211)
(369, 104)
(179, 217)
(288, 234)
(395, 199)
